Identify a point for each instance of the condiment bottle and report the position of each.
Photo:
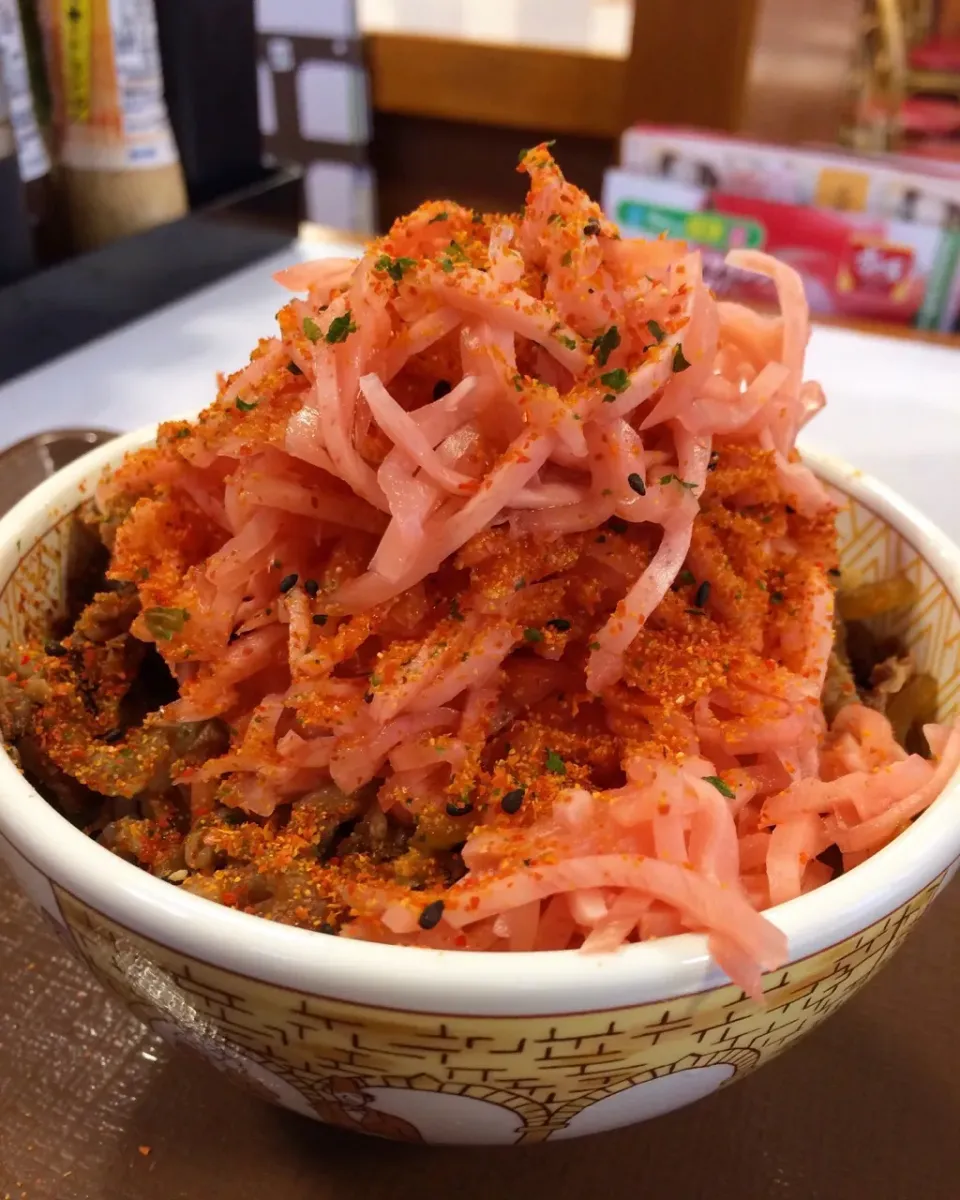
(36, 169)
(16, 249)
(120, 163)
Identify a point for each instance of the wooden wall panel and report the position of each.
(417, 157)
(510, 86)
(798, 84)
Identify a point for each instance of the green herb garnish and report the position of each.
(394, 267)
(665, 479)
(679, 362)
(617, 381)
(340, 328)
(723, 788)
(555, 764)
(311, 329)
(605, 344)
(246, 405)
(163, 623)
(532, 635)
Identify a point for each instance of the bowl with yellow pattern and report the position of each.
(439, 1046)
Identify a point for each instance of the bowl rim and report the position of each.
(443, 981)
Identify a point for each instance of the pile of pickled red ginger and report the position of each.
(506, 533)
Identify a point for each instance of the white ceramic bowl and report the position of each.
(441, 1046)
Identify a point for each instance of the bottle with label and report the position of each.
(16, 248)
(36, 169)
(119, 159)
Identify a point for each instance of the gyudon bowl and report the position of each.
(437, 1046)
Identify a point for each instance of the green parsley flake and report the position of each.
(311, 329)
(665, 479)
(605, 344)
(657, 331)
(567, 259)
(566, 341)
(163, 623)
(441, 216)
(446, 265)
(679, 362)
(532, 635)
(723, 788)
(394, 267)
(246, 405)
(555, 764)
(340, 328)
(455, 610)
(617, 381)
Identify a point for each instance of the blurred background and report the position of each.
(827, 131)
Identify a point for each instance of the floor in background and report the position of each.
(601, 27)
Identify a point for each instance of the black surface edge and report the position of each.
(63, 308)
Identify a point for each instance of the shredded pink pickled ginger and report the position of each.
(505, 530)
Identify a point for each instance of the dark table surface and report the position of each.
(93, 1107)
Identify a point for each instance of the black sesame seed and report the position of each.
(834, 572)
(311, 587)
(288, 582)
(591, 229)
(460, 808)
(560, 624)
(55, 649)
(326, 927)
(636, 482)
(293, 368)
(703, 594)
(320, 619)
(791, 511)
(368, 697)
(714, 459)
(112, 736)
(617, 525)
(430, 917)
(441, 388)
(512, 801)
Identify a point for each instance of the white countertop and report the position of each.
(893, 405)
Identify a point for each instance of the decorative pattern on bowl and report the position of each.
(478, 1072)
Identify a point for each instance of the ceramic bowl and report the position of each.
(444, 1047)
